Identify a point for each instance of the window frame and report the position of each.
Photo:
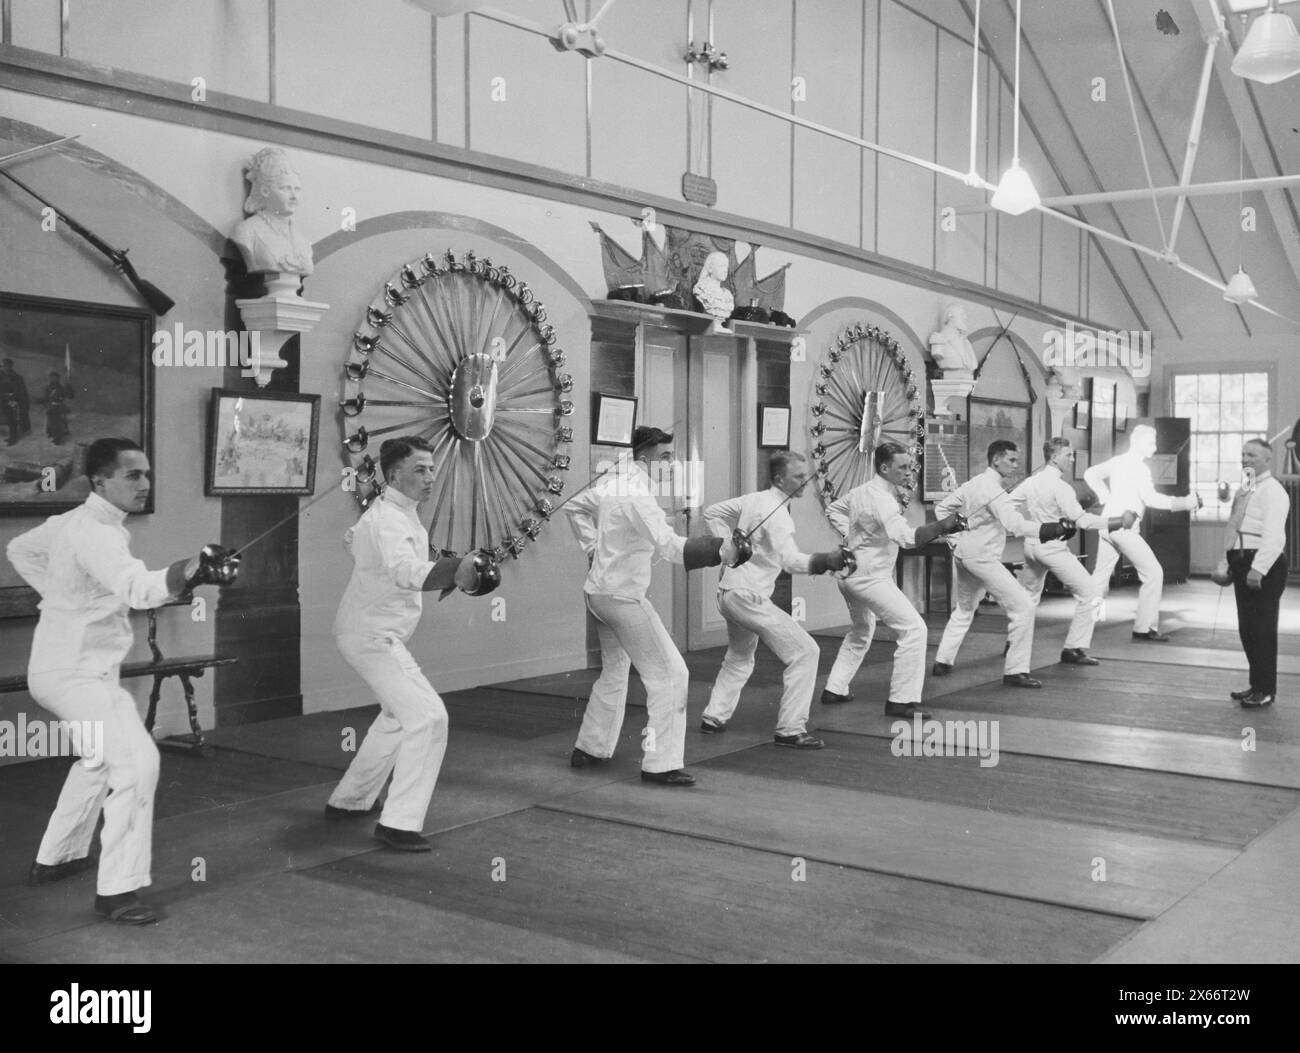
(1215, 513)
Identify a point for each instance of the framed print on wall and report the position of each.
(261, 443)
(613, 419)
(990, 420)
(773, 426)
(70, 373)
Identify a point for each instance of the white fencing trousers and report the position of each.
(869, 600)
(1042, 556)
(1144, 561)
(974, 578)
(752, 617)
(630, 632)
(408, 738)
(127, 774)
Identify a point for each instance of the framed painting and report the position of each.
(991, 420)
(70, 373)
(261, 443)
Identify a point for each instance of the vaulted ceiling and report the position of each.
(1091, 144)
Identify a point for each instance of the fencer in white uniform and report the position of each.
(1048, 498)
(392, 569)
(1123, 484)
(80, 563)
(870, 518)
(622, 529)
(745, 602)
(991, 515)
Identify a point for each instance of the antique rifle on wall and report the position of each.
(156, 298)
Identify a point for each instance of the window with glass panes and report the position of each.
(1225, 409)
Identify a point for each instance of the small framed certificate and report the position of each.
(613, 417)
(773, 426)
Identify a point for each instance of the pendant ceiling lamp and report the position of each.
(1240, 288)
(1015, 193)
(1271, 50)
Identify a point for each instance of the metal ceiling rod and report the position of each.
(1223, 186)
(1164, 256)
(1198, 117)
(1137, 126)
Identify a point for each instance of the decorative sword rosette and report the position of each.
(458, 351)
(865, 393)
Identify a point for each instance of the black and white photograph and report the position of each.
(650, 481)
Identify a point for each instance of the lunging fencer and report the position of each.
(745, 602)
(392, 569)
(991, 515)
(1048, 498)
(622, 529)
(80, 563)
(871, 520)
(1123, 484)
(1255, 540)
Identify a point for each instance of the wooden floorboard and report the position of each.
(626, 890)
(1038, 859)
(1163, 805)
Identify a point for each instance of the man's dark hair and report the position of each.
(394, 451)
(886, 452)
(101, 457)
(780, 461)
(1261, 442)
(1000, 446)
(645, 436)
(1052, 445)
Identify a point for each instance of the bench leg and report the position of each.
(193, 709)
(154, 695)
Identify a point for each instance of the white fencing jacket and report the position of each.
(81, 564)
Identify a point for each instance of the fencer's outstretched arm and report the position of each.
(404, 565)
(104, 555)
(667, 543)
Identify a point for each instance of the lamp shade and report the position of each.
(1271, 50)
(1015, 193)
(442, 8)
(1240, 288)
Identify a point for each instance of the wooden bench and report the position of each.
(160, 667)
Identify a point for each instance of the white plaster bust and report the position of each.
(267, 238)
(951, 351)
(715, 300)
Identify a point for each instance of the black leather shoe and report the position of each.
(1021, 680)
(802, 741)
(125, 909)
(830, 698)
(676, 777)
(402, 840)
(43, 874)
(1152, 636)
(582, 759)
(1256, 699)
(350, 813)
(940, 669)
(1077, 656)
(1237, 696)
(712, 727)
(905, 709)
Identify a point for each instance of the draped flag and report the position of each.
(771, 290)
(621, 267)
(658, 274)
(744, 280)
